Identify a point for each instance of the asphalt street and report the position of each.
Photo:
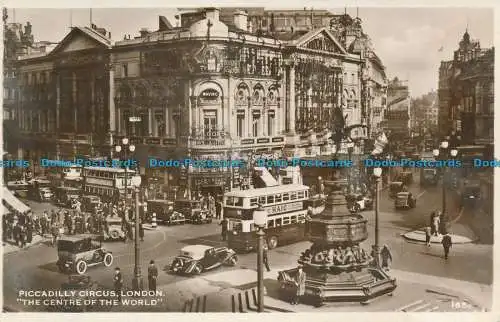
(34, 267)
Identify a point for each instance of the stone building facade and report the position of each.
(213, 87)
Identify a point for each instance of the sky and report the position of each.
(408, 40)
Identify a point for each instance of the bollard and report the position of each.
(153, 221)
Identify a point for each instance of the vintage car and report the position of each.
(357, 202)
(195, 259)
(405, 200)
(77, 253)
(187, 207)
(428, 177)
(89, 202)
(165, 213)
(471, 194)
(114, 230)
(64, 195)
(395, 188)
(200, 216)
(406, 177)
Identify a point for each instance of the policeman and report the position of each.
(118, 282)
(152, 275)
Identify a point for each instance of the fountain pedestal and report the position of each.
(336, 268)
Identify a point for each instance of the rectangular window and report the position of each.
(270, 199)
(286, 220)
(301, 194)
(253, 202)
(270, 223)
(270, 125)
(262, 200)
(209, 122)
(240, 121)
(255, 126)
(277, 222)
(286, 197)
(277, 198)
(125, 70)
(293, 196)
(293, 219)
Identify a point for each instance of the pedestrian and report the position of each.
(118, 283)
(55, 233)
(428, 236)
(300, 285)
(386, 256)
(141, 231)
(224, 224)
(435, 224)
(265, 257)
(22, 236)
(218, 208)
(29, 232)
(17, 233)
(152, 275)
(442, 224)
(446, 244)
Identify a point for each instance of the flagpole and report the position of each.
(90, 12)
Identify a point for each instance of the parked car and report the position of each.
(405, 200)
(195, 259)
(395, 188)
(358, 202)
(406, 177)
(187, 207)
(64, 195)
(89, 202)
(77, 253)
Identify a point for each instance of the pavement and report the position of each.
(9, 247)
(465, 237)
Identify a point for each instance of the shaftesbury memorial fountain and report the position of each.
(337, 268)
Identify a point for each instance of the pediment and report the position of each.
(322, 40)
(81, 39)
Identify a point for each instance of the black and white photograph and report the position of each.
(248, 159)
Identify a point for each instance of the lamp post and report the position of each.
(126, 148)
(377, 172)
(453, 154)
(350, 149)
(259, 219)
(137, 281)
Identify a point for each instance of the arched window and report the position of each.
(258, 95)
(242, 94)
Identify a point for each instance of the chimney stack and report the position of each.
(241, 20)
(212, 14)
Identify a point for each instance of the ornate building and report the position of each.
(398, 114)
(210, 88)
(466, 93)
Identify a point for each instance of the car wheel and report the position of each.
(108, 259)
(272, 242)
(232, 260)
(81, 267)
(198, 269)
(114, 235)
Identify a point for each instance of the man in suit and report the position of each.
(446, 245)
(118, 283)
(300, 283)
(152, 275)
(265, 257)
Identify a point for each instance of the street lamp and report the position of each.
(137, 281)
(377, 172)
(350, 148)
(259, 220)
(453, 152)
(126, 149)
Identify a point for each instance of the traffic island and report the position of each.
(419, 236)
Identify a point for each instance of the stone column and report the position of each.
(166, 121)
(223, 126)
(250, 118)
(111, 98)
(58, 102)
(74, 92)
(92, 103)
(40, 129)
(291, 81)
(264, 121)
(150, 121)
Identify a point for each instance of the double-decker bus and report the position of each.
(70, 176)
(286, 207)
(106, 182)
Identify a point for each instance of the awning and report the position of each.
(12, 203)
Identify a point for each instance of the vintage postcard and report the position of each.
(248, 159)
